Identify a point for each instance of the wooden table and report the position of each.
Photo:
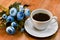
(52, 5)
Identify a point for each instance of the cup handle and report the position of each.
(54, 17)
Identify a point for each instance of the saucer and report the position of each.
(49, 31)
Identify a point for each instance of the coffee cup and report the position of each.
(41, 18)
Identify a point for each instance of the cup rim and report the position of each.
(41, 21)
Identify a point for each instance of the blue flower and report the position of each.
(4, 16)
(27, 12)
(10, 19)
(13, 11)
(10, 30)
(20, 16)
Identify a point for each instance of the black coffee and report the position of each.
(41, 17)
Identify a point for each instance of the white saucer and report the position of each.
(51, 29)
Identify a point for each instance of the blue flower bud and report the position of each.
(10, 19)
(10, 30)
(4, 16)
(13, 11)
(20, 16)
(27, 12)
(21, 9)
(14, 24)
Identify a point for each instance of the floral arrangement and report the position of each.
(15, 17)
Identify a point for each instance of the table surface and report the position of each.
(51, 5)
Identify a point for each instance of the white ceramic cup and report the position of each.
(41, 25)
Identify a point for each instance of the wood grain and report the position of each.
(51, 5)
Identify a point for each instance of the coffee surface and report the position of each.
(41, 17)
